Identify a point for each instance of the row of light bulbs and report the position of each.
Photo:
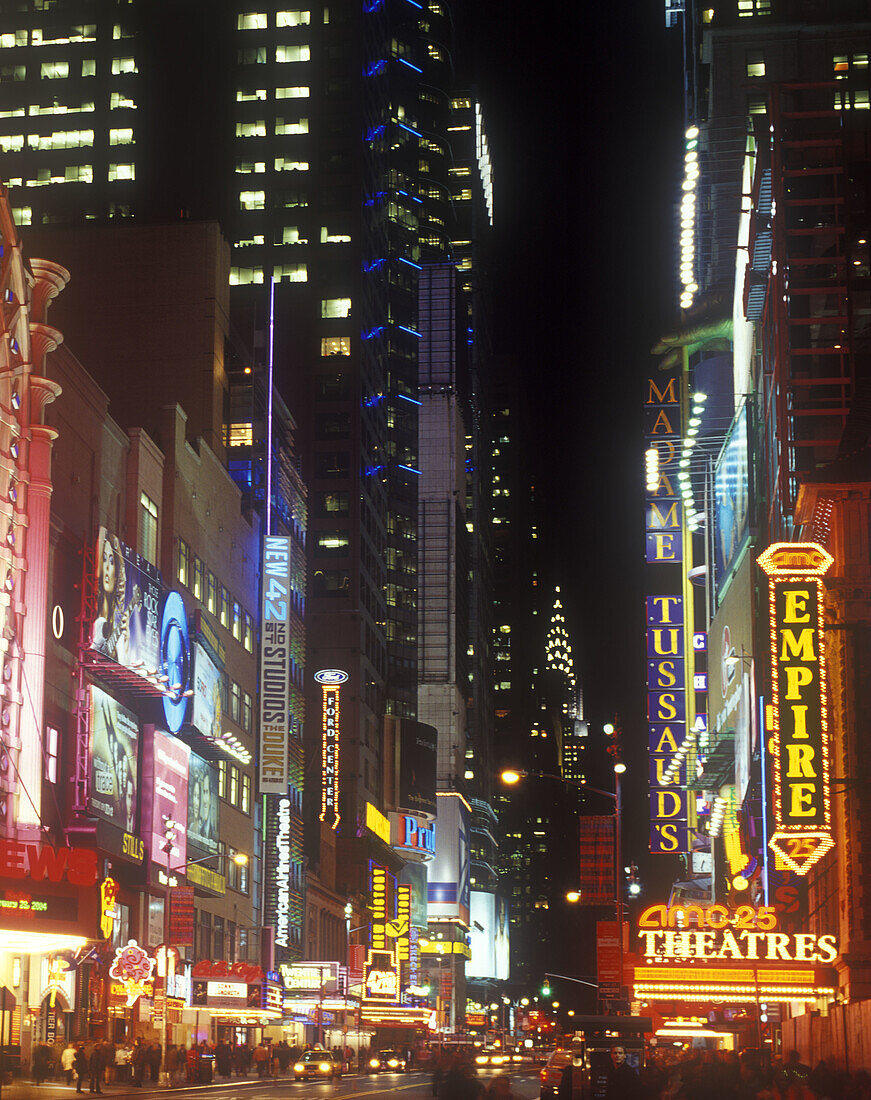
(693, 517)
(687, 270)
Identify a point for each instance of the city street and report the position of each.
(413, 1086)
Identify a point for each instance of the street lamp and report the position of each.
(239, 858)
(512, 776)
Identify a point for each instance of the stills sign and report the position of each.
(798, 716)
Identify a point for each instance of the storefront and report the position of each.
(49, 914)
(234, 1002)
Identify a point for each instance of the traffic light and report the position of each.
(545, 988)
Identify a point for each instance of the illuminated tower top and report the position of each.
(558, 651)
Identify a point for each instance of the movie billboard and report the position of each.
(166, 771)
(414, 875)
(482, 936)
(126, 628)
(207, 713)
(448, 878)
(203, 806)
(503, 942)
(731, 673)
(731, 500)
(114, 761)
(418, 747)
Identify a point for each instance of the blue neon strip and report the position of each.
(409, 468)
(374, 266)
(372, 333)
(410, 129)
(412, 400)
(410, 263)
(409, 64)
(415, 4)
(410, 331)
(375, 68)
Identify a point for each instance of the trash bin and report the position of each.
(206, 1069)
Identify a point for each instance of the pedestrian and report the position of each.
(261, 1056)
(622, 1080)
(138, 1061)
(153, 1057)
(95, 1069)
(283, 1056)
(573, 1081)
(40, 1063)
(68, 1061)
(461, 1083)
(80, 1064)
(500, 1088)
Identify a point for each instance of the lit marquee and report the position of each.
(799, 706)
(331, 680)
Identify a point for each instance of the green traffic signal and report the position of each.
(545, 989)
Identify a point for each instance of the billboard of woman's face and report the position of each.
(114, 761)
(203, 805)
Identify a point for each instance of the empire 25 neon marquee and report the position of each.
(799, 710)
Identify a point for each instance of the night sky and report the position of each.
(584, 111)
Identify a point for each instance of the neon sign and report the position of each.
(739, 946)
(330, 680)
(799, 711)
(133, 968)
(275, 666)
(108, 897)
(381, 979)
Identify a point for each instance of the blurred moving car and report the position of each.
(492, 1058)
(551, 1073)
(389, 1061)
(318, 1064)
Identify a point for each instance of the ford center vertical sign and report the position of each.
(275, 665)
(331, 680)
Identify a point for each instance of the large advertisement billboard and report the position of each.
(731, 673)
(483, 936)
(418, 747)
(207, 713)
(275, 666)
(166, 772)
(449, 884)
(126, 628)
(731, 500)
(203, 806)
(114, 761)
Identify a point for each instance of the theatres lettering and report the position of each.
(740, 946)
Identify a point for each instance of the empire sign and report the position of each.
(798, 716)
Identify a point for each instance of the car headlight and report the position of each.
(482, 1060)
(394, 1062)
(298, 1068)
(374, 1063)
(325, 1067)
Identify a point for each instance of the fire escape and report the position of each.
(810, 347)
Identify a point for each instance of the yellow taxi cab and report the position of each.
(317, 1064)
(551, 1073)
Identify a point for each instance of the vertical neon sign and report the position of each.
(331, 680)
(800, 792)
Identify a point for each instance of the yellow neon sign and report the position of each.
(799, 710)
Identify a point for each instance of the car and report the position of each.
(389, 1061)
(318, 1064)
(492, 1058)
(551, 1073)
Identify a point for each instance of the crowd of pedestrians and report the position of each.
(725, 1075)
(91, 1064)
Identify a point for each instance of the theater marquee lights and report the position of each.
(331, 680)
(799, 711)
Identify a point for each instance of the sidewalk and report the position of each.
(22, 1089)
